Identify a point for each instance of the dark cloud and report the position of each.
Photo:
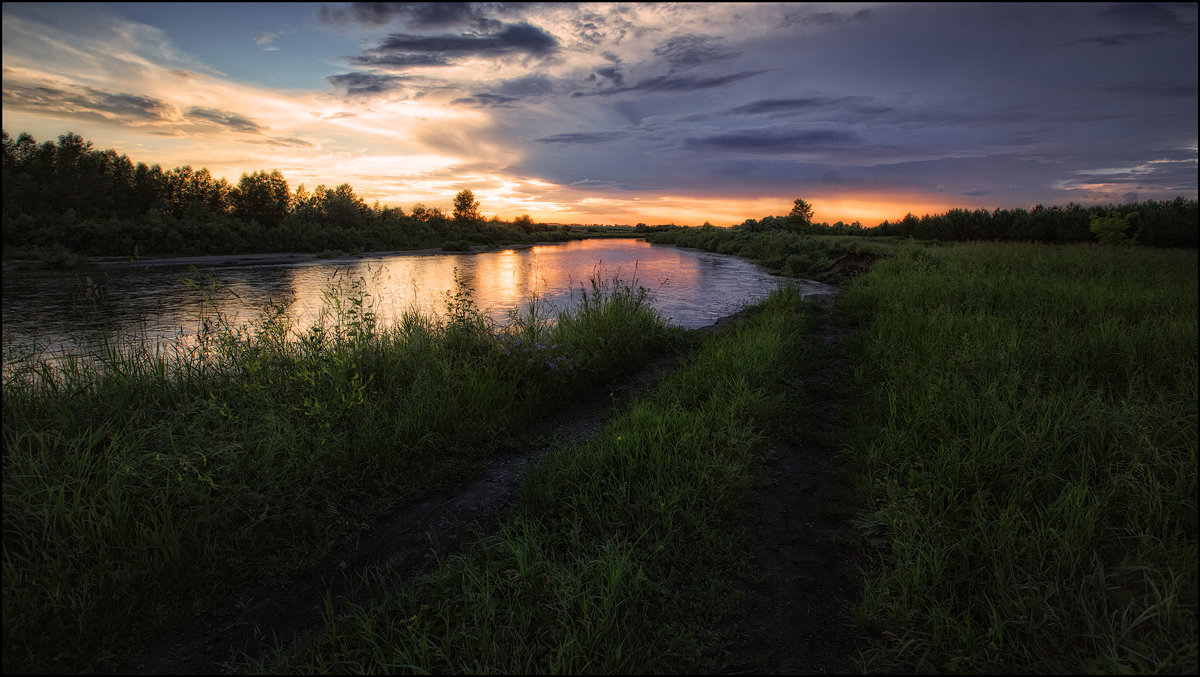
(89, 102)
(365, 83)
(593, 137)
(775, 141)
(399, 61)
(530, 85)
(823, 18)
(511, 91)
(1142, 14)
(674, 83)
(233, 121)
(687, 51)
(487, 99)
(810, 103)
(402, 50)
(1160, 175)
(131, 106)
(599, 184)
(1144, 22)
(1121, 39)
(414, 15)
(612, 74)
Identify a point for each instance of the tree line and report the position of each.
(1156, 223)
(69, 196)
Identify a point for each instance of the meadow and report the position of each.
(1027, 450)
(1020, 456)
(141, 486)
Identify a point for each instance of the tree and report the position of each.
(801, 215)
(1110, 229)
(524, 223)
(466, 207)
(262, 197)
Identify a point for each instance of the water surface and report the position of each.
(67, 312)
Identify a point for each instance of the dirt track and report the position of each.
(800, 608)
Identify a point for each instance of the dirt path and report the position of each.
(794, 540)
(798, 614)
(254, 620)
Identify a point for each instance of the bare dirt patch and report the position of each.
(797, 613)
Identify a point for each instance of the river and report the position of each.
(50, 314)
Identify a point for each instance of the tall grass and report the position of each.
(621, 553)
(1028, 444)
(141, 485)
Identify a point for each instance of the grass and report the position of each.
(140, 486)
(1027, 448)
(622, 552)
(1023, 441)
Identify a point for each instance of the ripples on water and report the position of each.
(691, 288)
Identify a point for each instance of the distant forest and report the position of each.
(65, 199)
(1167, 223)
(68, 198)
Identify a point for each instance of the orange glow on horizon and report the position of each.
(687, 211)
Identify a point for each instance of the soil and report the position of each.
(800, 608)
(798, 614)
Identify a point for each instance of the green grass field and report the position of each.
(1027, 444)
(1022, 444)
(139, 487)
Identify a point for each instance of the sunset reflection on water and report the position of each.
(691, 288)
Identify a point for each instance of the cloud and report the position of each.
(775, 141)
(404, 50)
(1121, 39)
(414, 15)
(823, 18)
(265, 38)
(89, 102)
(688, 51)
(858, 104)
(512, 91)
(284, 142)
(1143, 14)
(399, 61)
(675, 83)
(581, 137)
(486, 99)
(365, 83)
(233, 121)
(1145, 22)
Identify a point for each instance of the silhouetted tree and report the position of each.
(801, 215)
(466, 208)
(262, 197)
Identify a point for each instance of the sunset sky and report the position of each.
(626, 113)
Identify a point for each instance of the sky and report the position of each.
(627, 113)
